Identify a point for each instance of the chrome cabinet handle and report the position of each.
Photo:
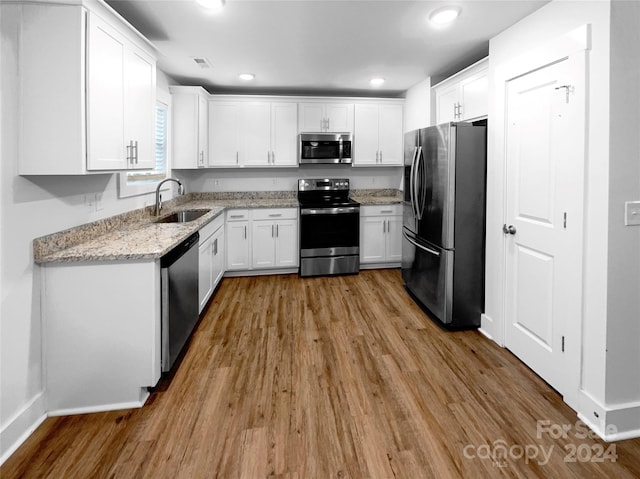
(245, 232)
(136, 151)
(380, 156)
(277, 233)
(275, 215)
(236, 157)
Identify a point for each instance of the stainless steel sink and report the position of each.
(182, 216)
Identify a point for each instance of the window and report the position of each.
(133, 183)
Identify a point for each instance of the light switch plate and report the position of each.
(632, 213)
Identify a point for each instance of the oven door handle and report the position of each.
(329, 211)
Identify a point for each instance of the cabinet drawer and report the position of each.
(238, 215)
(207, 230)
(381, 210)
(274, 213)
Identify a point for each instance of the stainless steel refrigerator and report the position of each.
(444, 221)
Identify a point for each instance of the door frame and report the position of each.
(573, 46)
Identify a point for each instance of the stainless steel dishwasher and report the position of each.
(179, 284)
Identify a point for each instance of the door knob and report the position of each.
(509, 230)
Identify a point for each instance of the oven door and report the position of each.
(329, 231)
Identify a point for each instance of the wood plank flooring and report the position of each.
(337, 377)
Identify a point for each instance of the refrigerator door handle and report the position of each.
(424, 248)
(418, 186)
(412, 183)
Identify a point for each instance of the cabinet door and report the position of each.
(287, 252)
(237, 245)
(394, 238)
(256, 134)
(366, 150)
(218, 252)
(224, 131)
(475, 97)
(184, 111)
(390, 135)
(311, 117)
(139, 101)
(339, 117)
(447, 99)
(263, 234)
(372, 239)
(205, 271)
(284, 124)
(203, 131)
(105, 97)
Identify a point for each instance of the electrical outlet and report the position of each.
(632, 213)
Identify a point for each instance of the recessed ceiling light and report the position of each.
(246, 76)
(211, 5)
(376, 81)
(444, 15)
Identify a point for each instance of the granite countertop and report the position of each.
(377, 197)
(135, 235)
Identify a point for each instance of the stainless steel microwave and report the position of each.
(318, 148)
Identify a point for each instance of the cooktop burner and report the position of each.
(325, 193)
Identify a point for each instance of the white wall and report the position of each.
(417, 106)
(32, 207)
(286, 179)
(623, 285)
(609, 358)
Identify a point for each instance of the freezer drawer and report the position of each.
(427, 272)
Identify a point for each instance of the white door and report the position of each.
(372, 239)
(263, 234)
(284, 126)
(224, 133)
(287, 250)
(391, 136)
(140, 100)
(339, 117)
(394, 238)
(366, 131)
(543, 273)
(237, 245)
(105, 98)
(256, 134)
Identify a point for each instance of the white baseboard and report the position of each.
(259, 272)
(379, 265)
(488, 327)
(21, 426)
(611, 423)
(144, 395)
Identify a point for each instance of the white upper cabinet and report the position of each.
(378, 134)
(463, 97)
(97, 111)
(325, 117)
(190, 127)
(252, 133)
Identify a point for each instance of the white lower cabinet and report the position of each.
(275, 238)
(237, 235)
(211, 259)
(262, 239)
(381, 234)
(101, 326)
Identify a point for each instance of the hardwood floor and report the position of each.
(329, 378)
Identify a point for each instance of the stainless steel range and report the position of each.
(329, 228)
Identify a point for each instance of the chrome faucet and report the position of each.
(181, 191)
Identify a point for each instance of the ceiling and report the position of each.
(329, 47)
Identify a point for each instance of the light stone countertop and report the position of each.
(135, 236)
